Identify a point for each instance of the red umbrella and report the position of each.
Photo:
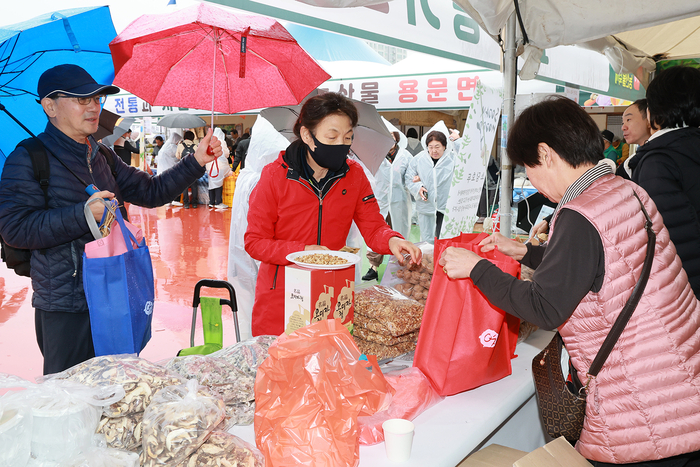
(204, 57)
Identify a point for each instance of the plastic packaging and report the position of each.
(247, 355)
(217, 375)
(177, 422)
(140, 378)
(15, 435)
(64, 414)
(413, 396)
(103, 457)
(226, 449)
(309, 393)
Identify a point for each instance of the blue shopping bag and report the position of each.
(120, 292)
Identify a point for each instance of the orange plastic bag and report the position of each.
(308, 395)
(414, 395)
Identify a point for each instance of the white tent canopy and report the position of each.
(627, 32)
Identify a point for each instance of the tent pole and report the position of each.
(508, 116)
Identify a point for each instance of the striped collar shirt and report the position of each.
(583, 182)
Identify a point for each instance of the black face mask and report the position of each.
(329, 156)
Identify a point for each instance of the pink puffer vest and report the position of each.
(645, 402)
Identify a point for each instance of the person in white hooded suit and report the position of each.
(391, 193)
(399, 197)
(218, 171)
(429, 177)
(166, 156)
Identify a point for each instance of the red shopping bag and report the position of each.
(464, 340)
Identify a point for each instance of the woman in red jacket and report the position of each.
(307, 200)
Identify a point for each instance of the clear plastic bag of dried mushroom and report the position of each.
(225, 449)
(247, 355)
(141, 379)
(234, 386)
(177, 422)
(412, 280)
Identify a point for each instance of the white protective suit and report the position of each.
(399, 198)
(166, 156)
(437, 179)
(216, 180)
(265, 146)
(355, 238)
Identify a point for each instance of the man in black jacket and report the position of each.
(56, 233)
(668, 165)
(242, 150)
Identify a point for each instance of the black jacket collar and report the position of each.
(673, 141)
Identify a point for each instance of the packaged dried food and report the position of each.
(225, 449)
(140, 378)
(177, 422)
(247, 355)
(371, 336)
(383, 351)
(392, 311)
(240, 414)
(122, 432)
(217, 375)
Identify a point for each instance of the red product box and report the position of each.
(311, 295)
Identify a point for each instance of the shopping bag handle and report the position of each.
(92, 223)
(129, 238)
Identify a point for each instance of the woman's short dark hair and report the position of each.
(412, 133)
(435, 135)
(641, 106)
(560, 123)
(673, 98)
(188, 135)
(319, 107)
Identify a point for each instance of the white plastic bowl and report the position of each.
(61, 431)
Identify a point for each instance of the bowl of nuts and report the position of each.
(323, 259)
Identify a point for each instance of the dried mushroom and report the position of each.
(225, 450)
(122, 432)
(176, 424)
(140, 379)
(218, 375)
(247, 355)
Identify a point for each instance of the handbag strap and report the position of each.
(626, 313)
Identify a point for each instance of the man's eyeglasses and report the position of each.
(100, 99)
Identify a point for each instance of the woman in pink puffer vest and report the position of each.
(643, 409)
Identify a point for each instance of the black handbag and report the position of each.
(562, 404)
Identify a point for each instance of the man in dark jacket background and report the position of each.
(242, 150)
(668, 165)
(57, 236)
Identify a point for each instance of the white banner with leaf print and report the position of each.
(471, 161)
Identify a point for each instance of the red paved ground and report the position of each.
(186, 245)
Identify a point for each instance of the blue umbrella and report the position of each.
(80, 36)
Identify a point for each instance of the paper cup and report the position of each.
(398, 439)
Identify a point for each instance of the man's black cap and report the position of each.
(71, 80)
(607, 135)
